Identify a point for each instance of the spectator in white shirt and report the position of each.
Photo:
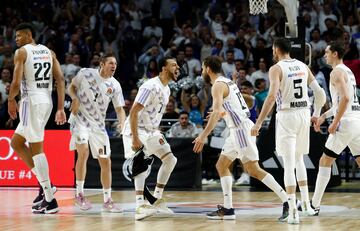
(228, 66)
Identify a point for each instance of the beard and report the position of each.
(206, 78)
(275, 59)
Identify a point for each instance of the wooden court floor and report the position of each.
(255, 211)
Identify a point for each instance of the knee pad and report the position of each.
(330, 153)
(141, 163)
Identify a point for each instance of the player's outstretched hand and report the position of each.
(60, 117)
(198, 144)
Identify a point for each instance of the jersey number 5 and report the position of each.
(42, 71)
(298, 94)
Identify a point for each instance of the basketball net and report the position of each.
(291, 10)
(258, 6)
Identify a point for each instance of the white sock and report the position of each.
(304, 192)
(158, 192)
(42, 170)
(226, 185)
(107, 194)
(139, 182)
(271, 183)
(79, 187)
(322, 180)
(292, 202)
(139, 200)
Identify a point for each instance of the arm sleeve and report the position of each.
(320, 97)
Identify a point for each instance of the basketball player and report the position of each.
(142, 130)
(289, 79)
(345, 127)
(229, 103)
(91, 91)
(35, 68)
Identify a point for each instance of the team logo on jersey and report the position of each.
(109, 91)
(161, 141)
(92, 83)
(101, 151)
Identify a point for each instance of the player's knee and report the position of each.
(327, 158)
(170, 160)
(14, 144)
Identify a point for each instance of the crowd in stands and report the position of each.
(140, 32)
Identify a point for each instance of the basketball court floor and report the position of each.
(255, 211)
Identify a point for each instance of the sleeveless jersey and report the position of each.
(353, 107)
(38, 78)
(293, 91)
(234, 104)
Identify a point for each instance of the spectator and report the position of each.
(228, 67)
(262, 73)
(183, 128)
(4, 83)
(194, 107)
(193, 63)
(262, 92)
(152, 69)
(247, 91)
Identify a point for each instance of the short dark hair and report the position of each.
(337, 46)
(247, 84)
(258, 82)
(214, 63)
(283, 44)
(183, 113)
(105, 56)
(162, 62)
(26, 26)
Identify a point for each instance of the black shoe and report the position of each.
(46, 207)
(40, 197)
(222, 214)
(285, 212)
(317, 209)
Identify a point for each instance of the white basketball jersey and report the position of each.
(234, 104)
(38, 78)
(154, 96)
(95, 94)
(353, 107)
(293, 91)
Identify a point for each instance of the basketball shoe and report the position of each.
(222, 214)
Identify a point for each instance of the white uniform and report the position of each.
(239, 144)
(36, 103)
(95, 94)
(293, 109)
(348, 131)
(154, 96)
